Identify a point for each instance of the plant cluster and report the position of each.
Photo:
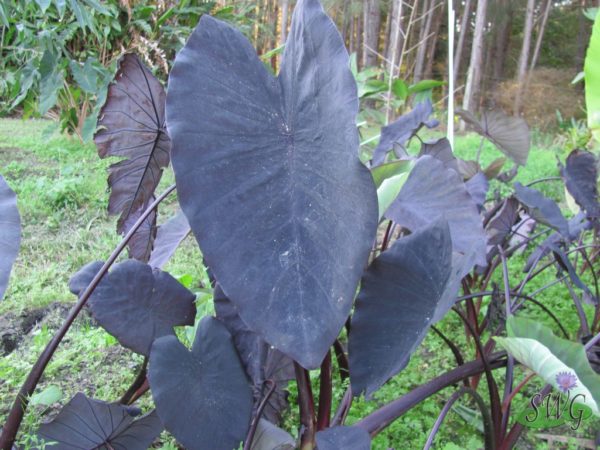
(317, 261)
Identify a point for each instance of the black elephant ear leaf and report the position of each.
(431, 192)
(132, 126)
(477, 187)
(10, 233)
(442, 150)
(271, 437)
(510, 134)
(94, 424)
(400, 131)
(84, 276)
(542, 209)
(142, 242)
(261, 361)
(401, 294)
(265, 228)
(137, 305)
(169, 236)
(581, 179)
(348, 438)
(203, 396)
(500, 224)
(493, 170)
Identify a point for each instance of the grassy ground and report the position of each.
(61, 187)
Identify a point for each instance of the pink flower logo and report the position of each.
(566, 381)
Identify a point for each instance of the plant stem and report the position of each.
(9, 432)
(325, 394)
(259, 411)
(343, 408)
(307, 408)
(137, 383)
(378, 420)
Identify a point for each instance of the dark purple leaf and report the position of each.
(170, 235)
(271, 437)
(441, 150)
(493, 170)
(510, 134)
(85, 423)
(268, 176)
(565, 264)
(82, 278)
(347, 438)
(432, 192)
(399, 132)
(468, 168)
(10, 233)
(542, 209)
(509, 175)
(261, 361)
(581, 179)
(477, 187)
(132, 126)
(141, 243)
(501, 223)
(136, 304)
(402, 293)
(202, 397)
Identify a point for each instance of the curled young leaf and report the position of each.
(10, 233)
(132, 126)
(202, 397)
(136, 304)
(170, 234)
(267, 173)
(94, 424)
(581, 179)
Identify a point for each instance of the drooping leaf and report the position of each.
(94, 424)
(267, 172)
(400, 293)
(510, 134)
(271, 437)
(202, 397)
(581, 179)
(341, 437)
(477, 187)
(441, 150)
(400, 131)
(535, 346)
(431, 192)
(542, 209)
(10, 233)
(260, 360)
(592, 80)
(132, 126)
(169, 236)
(136, 304)
(142, 242)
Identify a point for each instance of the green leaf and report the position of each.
(591, 13)
(52, 394)
(3, 15)
(424, 85)
(60, 6)
(85, 76)
(49, 88)
(389, 190)
(554, 414)
(536, 347)
(578, 78)
(400, 89)
(592, 80)
(43, 4)
(385, 171)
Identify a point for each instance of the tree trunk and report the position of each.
(372, 22)
(464, 29)
(502, 40)
(426, 17)
(524, 57)
(438, 15)
(285, 7)
(471, 97)
(540, 36)
(396, 39)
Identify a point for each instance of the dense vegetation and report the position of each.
(325, 261)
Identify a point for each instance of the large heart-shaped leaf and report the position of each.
(581, 179)
(136, 304)
(269, 178)
(561, 363)
(542, 209)
(442, 150)
(85, 423)
(10, 233)
(261, 361)
(347, 438)
(202, 397)
(271, 437)
(401, 293)
(431, 192)
(400, 131)
(510, 134)
(132, 126)
(477, 187)
(169, 236)
(142, 242)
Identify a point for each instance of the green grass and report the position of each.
(62, 197)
